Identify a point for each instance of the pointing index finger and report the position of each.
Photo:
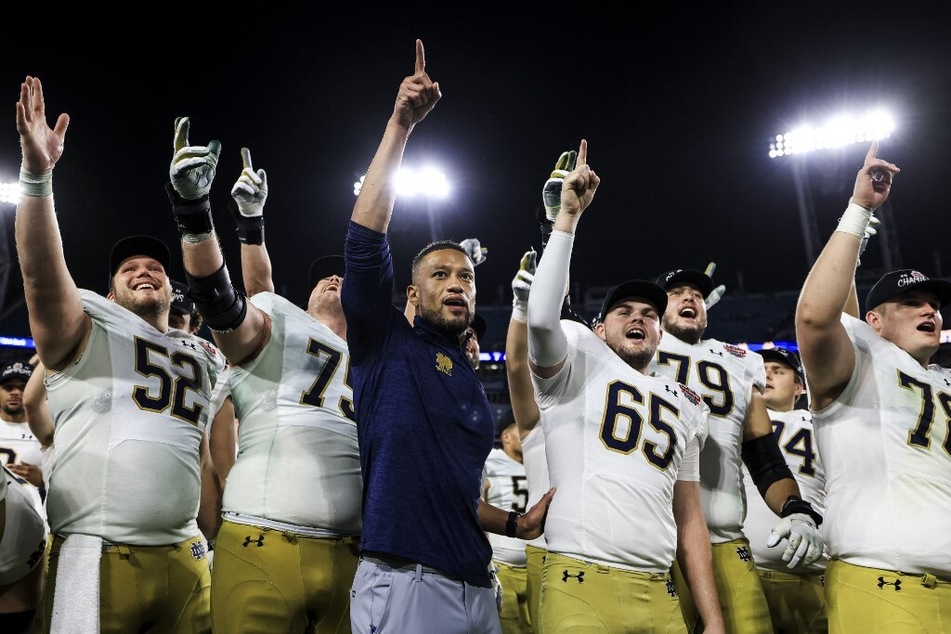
(872, 152)
(246, 158)
(583, 153)
(420, 58)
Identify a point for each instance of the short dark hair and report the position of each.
(438, 245)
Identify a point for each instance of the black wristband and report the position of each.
(250, 229)
(192, 216)
(798, 505)
(511, 525)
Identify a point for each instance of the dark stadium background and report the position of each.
(678, 102)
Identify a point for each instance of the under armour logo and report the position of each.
(719, 353)
(743, 552)
(668, 389)
(579, 576)
(882, 583)
(198, 550)
(259, 542)
(37, 554)
(190, 345)
(671, 588)
(946, 382)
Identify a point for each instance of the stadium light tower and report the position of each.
(429, 184)
(839, 131)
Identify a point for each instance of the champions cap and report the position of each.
(786, 357)
(181, 302)
(686, 276)
(140, 245)
(505, 420)
(642, 289)
(902, 281)
(15, 370)
(479, 325)
(325, 267)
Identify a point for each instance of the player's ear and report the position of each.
(599, 330)
(412, 295)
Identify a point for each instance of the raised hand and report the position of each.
(874, 181)
(250, 190)
(41, 145)
(711, 300)
(193, 166)
(474, 250)
(580, 185)
(418, 94)
(551, 190)
(522, 282)
(249, 193)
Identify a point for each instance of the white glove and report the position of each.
(496, 584)
(522, 282)
(551, 190)
(474, 250)
(193, 166)
(522, 285)
(250, 190)
(870, 231)
(804, 543)
(711, 300)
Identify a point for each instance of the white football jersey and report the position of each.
(298, 462)
(536, 470)
(129, 415)
(24, 537)
(886, 447)
(508, 490)
(724, 375)
(797, 442)
(18, 445)
(616, 440)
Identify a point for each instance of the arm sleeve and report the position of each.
(547, 344)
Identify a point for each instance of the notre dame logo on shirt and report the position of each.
(443, 363)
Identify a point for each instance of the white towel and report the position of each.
(76, 597)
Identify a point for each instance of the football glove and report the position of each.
(250, 190)
(496, 584)
(803, 543)
(193, 166)
(522, 282)
(715, 295)
(474, 250)
(551, 191)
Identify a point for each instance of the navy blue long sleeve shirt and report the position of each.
(424, 424)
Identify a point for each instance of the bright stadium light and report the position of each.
(9, 193)
(428, 184)
(836, 132)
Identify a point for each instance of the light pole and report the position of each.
(840, 131)
(428, 183)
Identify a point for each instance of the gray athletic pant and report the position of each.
(388, 598)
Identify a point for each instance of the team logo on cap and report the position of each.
(911, 278)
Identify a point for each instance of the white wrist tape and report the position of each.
(855, 220)
(36, 184)
(519, 310)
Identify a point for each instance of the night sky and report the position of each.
(678, 105)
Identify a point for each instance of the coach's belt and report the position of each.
(399, 563)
